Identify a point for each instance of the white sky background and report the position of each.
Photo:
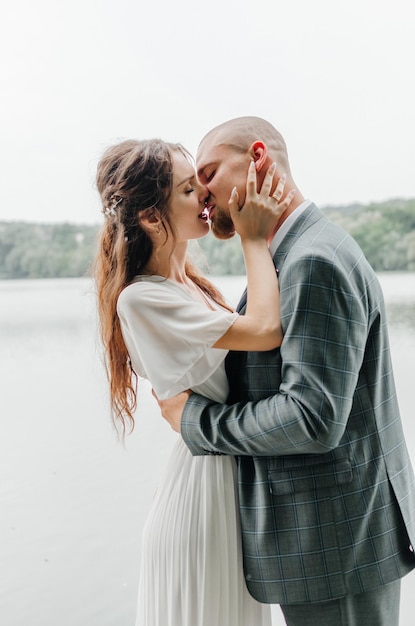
(335, 77)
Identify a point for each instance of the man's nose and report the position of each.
(203, 193)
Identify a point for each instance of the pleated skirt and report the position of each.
(191, 567)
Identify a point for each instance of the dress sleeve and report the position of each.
(169, 335)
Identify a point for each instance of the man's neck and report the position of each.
(297, 200)
(284, 227)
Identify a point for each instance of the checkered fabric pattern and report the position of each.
(325, 484)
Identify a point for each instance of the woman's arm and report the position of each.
(260, 328)
(310, 402)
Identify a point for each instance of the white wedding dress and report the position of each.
(191, 570)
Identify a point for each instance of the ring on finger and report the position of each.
(276, 196)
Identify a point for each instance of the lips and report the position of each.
(207, 211)
(204, 215)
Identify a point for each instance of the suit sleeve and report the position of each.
(325, 320)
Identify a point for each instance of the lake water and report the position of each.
(73, 500)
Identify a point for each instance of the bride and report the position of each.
(161, 320)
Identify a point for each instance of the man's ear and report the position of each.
(259, 154)
(150, 220)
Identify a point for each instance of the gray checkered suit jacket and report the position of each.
(326, 488)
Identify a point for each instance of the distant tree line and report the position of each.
(45, 250)
(385, 231)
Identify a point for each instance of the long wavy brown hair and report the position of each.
(132, 176)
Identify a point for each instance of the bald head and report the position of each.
(241, 132)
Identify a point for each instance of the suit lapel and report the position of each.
(308, 217)
(298, 229)
(235, 360)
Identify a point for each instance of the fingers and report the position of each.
(279, 190)
(251, 182)
(268, 180)
(233, 202)
(264, 196)
(287, 200)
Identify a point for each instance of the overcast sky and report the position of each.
(336, 78)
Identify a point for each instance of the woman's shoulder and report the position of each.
(139, 290)
(148, 291)
(141, 285)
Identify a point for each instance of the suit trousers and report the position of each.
(377, 607)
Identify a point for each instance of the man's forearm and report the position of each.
(274, 426)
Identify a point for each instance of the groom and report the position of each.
(326, 488)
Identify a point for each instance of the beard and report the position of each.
(222, 225)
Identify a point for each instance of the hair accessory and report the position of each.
(110, 211)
